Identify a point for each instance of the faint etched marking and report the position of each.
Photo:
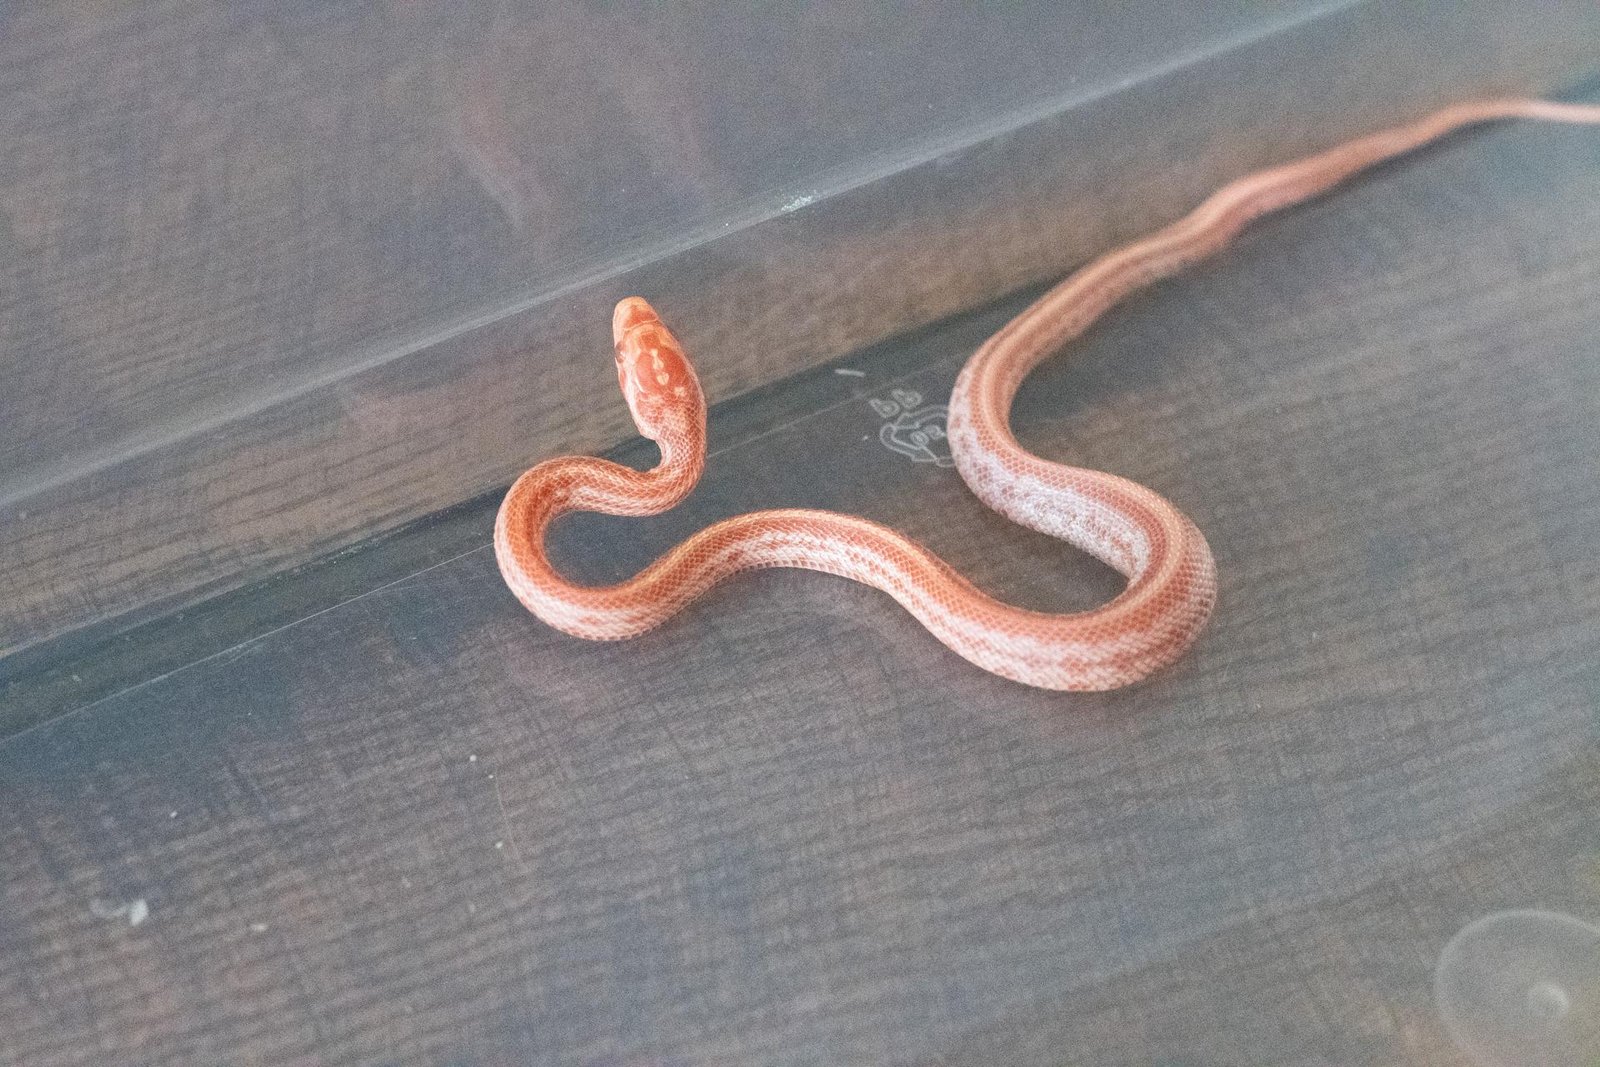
(913, 429)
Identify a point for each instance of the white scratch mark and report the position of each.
(135, 911)
(798, 202)
(258, 928)
(849, 372)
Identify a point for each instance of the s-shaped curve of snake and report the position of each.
(1171, 576)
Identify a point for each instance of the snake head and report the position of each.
(656, 377)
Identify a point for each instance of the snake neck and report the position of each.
(682, 442)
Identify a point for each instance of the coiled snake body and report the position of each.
(1171, 576)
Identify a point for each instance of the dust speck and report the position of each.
(134, 911)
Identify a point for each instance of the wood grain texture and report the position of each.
(791, 828)
(297, 311)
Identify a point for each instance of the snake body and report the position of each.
(1172, 584)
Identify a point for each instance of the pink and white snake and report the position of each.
(1172, 582)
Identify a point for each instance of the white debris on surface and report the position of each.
(134, 911)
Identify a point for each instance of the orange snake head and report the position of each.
(656, 377)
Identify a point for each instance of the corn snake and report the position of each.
(1172, 584)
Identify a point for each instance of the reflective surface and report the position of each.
(790, 827)
(234, 202)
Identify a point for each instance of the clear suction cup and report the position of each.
(1522, 989)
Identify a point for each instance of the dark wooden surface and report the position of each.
(276, 277)
(417, 826)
